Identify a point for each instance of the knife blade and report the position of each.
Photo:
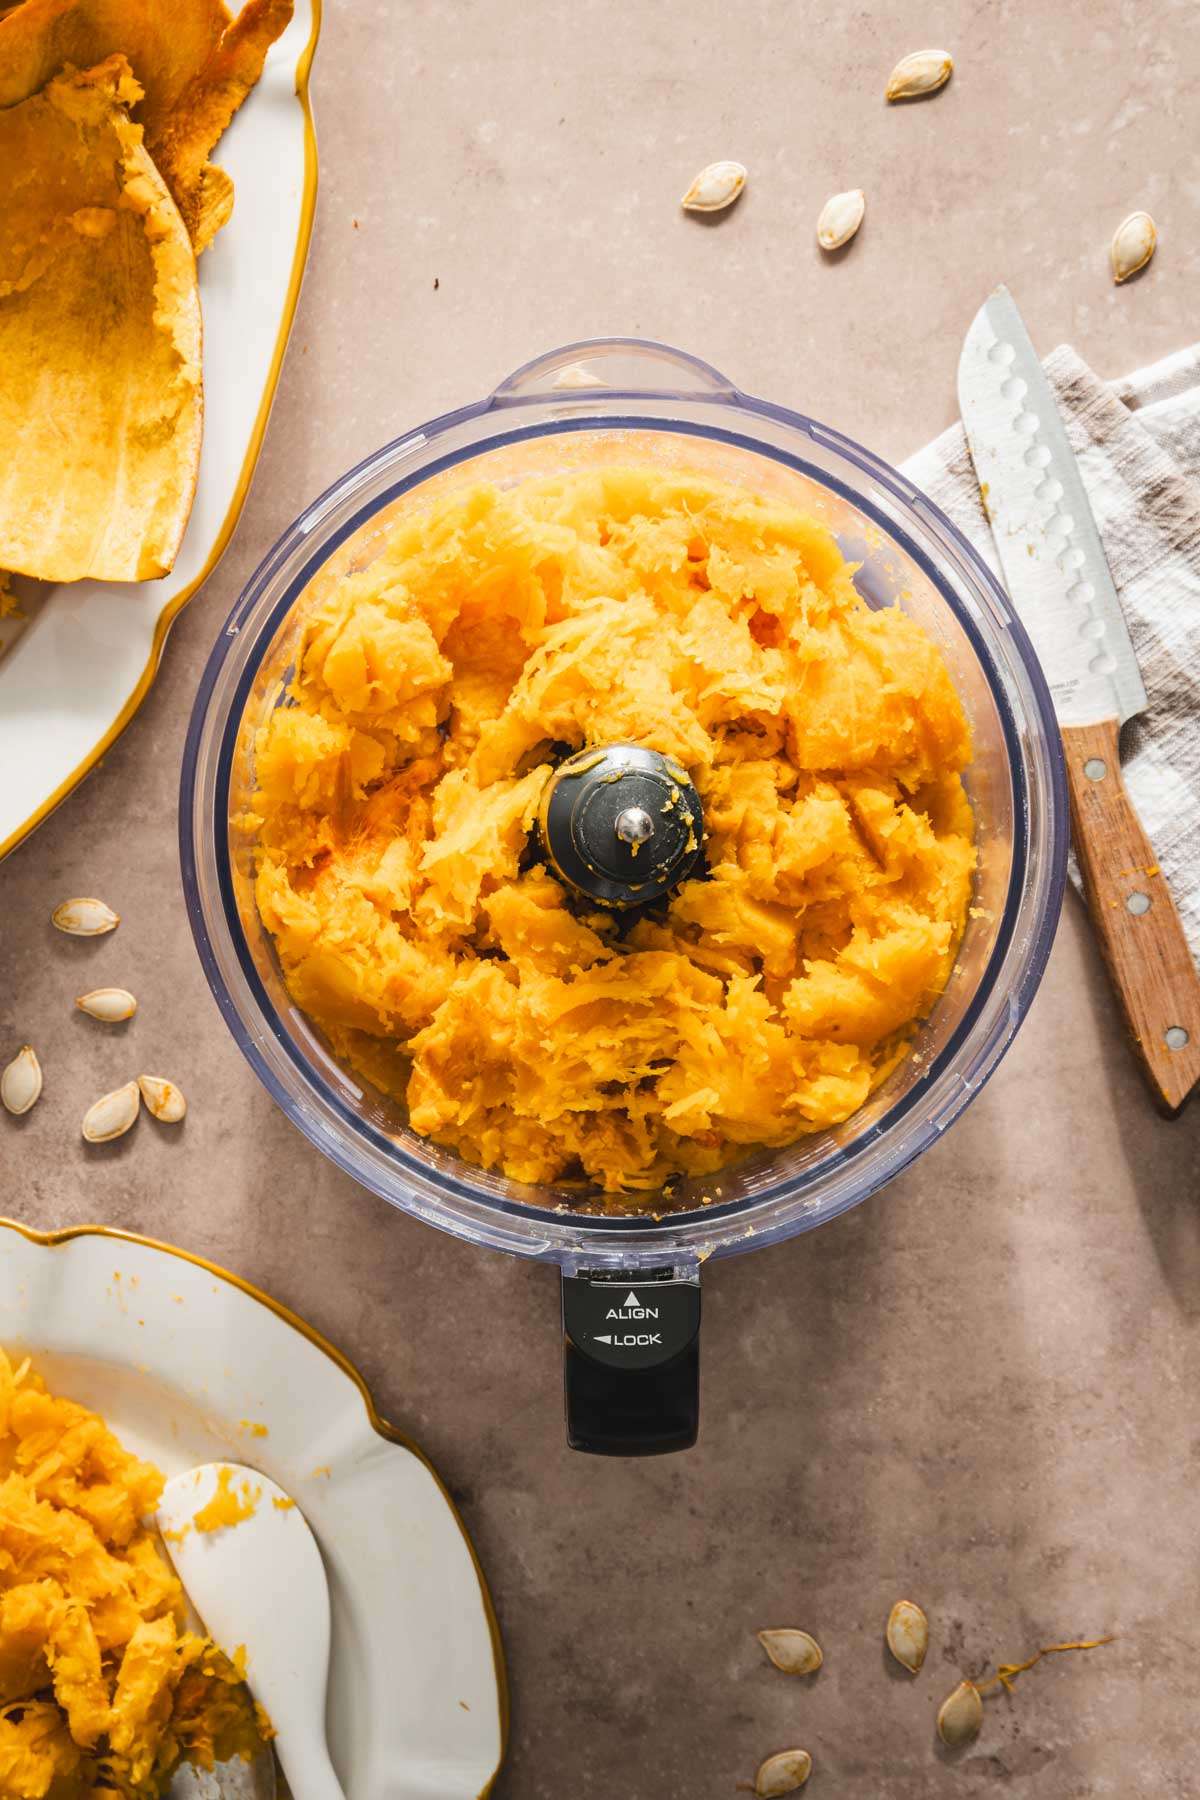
(1053, 561)
(1059, 581)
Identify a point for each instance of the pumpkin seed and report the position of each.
(21, 1082)
(84, 918)
(908, 1635)
(923, 72)
(163, 1099)
(960, 1716)
(840, 218)
(715, 187)
(111, 1005)
(1133, 245)
(112, 1115)
(795, 1652)
(783, 1774)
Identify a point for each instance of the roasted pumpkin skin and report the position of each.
(100, 338)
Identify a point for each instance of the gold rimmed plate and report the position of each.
(190, 1364)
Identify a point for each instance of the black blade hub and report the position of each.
(621, 824)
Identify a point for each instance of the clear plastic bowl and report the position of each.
(591, 403)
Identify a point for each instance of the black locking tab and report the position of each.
(631, 1356)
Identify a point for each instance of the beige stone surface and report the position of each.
(979, 1389)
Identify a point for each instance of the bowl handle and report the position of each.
(631, 1360)
(599, 366)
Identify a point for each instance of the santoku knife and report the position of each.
(1059, 581)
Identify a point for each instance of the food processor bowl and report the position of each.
(632, 1387)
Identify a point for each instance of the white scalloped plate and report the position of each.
(76, 668)
(176, 1354)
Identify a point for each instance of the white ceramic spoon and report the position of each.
(262, 1583)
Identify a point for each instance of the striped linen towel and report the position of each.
(1137, 442)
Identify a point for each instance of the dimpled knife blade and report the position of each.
(1056, 572)
(1054, 565)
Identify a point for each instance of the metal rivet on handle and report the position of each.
(1176, 1038)
(1138, 903)
(1095, 768)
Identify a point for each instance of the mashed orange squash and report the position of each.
(103, 1692)
(435, 689)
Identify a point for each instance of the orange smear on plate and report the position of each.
(227, 1506)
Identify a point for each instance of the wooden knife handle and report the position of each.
(1140, 931)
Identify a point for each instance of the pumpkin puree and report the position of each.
(229, 1505)
(103, 1693)
(397, 869)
